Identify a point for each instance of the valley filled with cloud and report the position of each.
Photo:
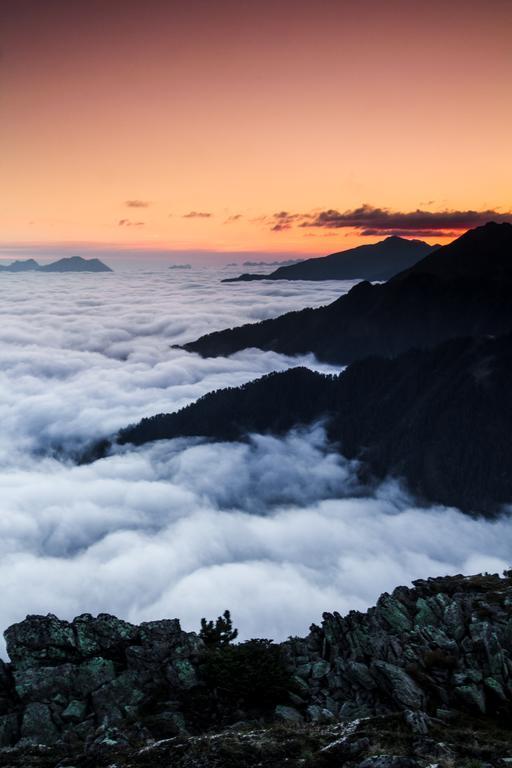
(275, 529)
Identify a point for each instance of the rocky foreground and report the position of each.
(422, 679)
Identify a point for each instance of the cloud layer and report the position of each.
(274, 529)
(83, 355)
(371, 221)
(130, 223)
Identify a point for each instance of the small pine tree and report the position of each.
(246, 679)
(218, 634)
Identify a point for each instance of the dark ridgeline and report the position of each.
(430, 404)
(439, 418)
(274, 403)
(484, 253)
(378, 261)
(70, 264)
(25, 265)
(462, 289)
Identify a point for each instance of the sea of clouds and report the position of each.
(277, 530)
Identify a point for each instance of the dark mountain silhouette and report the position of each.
(462, 289)
(439, 418)
(484, 253)
(71, 264)
(25, 265)
(378, 261)
(76, 264)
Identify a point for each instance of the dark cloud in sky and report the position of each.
(232, 219)
(197, 215)
(371, 221)
(408, 233)
(137, 203)
(130, 223)
(284, 220)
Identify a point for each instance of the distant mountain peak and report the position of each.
(370, 261)
(66, 264)
(76, 264)
(398, 240)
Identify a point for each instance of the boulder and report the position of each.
(288, 715)
(37, 726)
(402, 688)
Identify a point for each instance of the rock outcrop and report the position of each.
(66, 680)
(422, 658)
(444, 645)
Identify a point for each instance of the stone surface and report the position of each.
(288, 714)
(389, 761)
(432, 653)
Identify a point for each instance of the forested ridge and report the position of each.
(439, 418)
(462, 289)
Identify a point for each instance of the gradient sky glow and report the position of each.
(125, 123)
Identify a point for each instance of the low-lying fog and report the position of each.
(273, 529)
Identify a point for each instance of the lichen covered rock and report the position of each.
(432, 653)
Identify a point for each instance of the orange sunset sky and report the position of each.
(289, 127)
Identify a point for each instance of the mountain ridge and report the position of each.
(468, 256)
(419, 307)
(66, 264)
(376, 261)
(439, 419)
